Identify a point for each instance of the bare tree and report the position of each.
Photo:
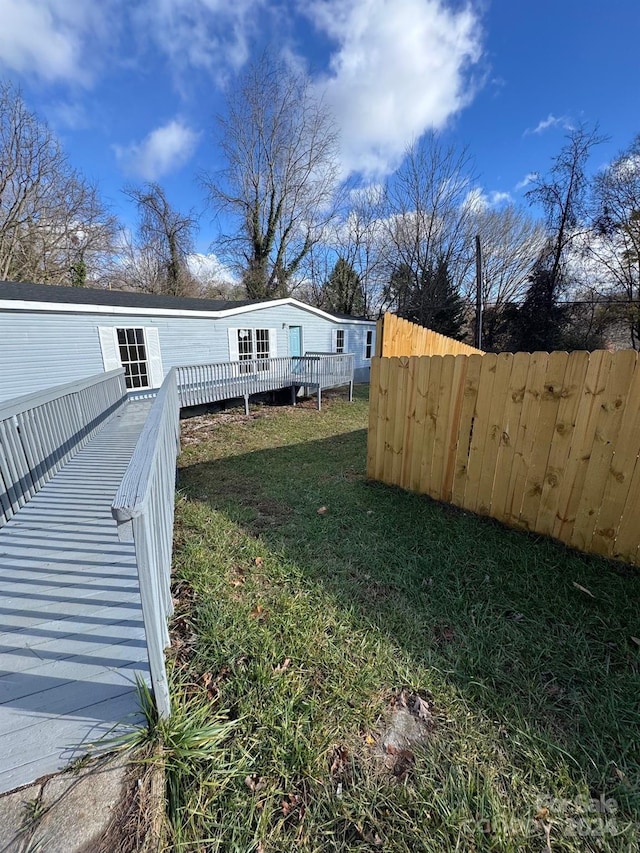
(279, 183)
(357, 237)
(428, 219)
(563, 196)
(157, 262)
(511, 242)
(615, 241)
(54, 228)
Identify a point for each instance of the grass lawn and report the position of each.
(508, 662)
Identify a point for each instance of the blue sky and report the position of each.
(132, 89)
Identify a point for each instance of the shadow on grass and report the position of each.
(538, 637)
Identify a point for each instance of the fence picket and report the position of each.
(538, 450)
(620, 475)
(409, 422)
(479, 431)
(441, 434)
(581, 444)
(420, 419)
(561, 440)
(398, 422)
(610, 412)
(470, 395)
(430, 425)
(453, 431)
(495, 431)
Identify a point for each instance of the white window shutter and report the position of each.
(154, 357)
(334, 340)
(234, 354)
(345, 347)
(109, 346)
(273, 343)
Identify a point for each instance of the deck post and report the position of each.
(319, 396)
(246, 405)
(351, 391)
(293, 395)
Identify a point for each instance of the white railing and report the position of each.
(210, 383)
(144, 510)
(40, 432)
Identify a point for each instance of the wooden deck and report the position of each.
(71, 631)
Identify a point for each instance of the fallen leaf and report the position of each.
(284, 666)
(339, 759)
(636, 641)
(369, 740)
(291, 803)
(258, 612)
(255, 783)
(583, 589)
(421, 709)
(258, 561)
(323, 510)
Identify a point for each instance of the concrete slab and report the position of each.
(14, 811)
(79, 808)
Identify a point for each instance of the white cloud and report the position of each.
(209, 268)
(207, 34)
(50, 39)
(164, 150)
(550, 121)
(400, 68)
(66, 41)
(478, 199)
(528, 178)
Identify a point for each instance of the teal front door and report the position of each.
(295, 340)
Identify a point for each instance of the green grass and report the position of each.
(302, 628)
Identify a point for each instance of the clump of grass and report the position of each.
(188, 747)
(306, 625)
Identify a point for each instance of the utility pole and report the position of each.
(478, 293)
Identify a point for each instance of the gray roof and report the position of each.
(25, 290)
(28, 292)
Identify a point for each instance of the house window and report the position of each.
(253, 344)
(340, 340)
(369, 345)
(262, 344)
(133, 356)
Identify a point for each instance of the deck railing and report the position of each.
(40, 432)
(144, 509)
(210, 383)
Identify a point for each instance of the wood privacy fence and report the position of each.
(548, 443)
(40, 432)
(396, 337)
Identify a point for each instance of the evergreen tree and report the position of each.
(343, 292)
(428, 297)
(78, 272)
(541, 319)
